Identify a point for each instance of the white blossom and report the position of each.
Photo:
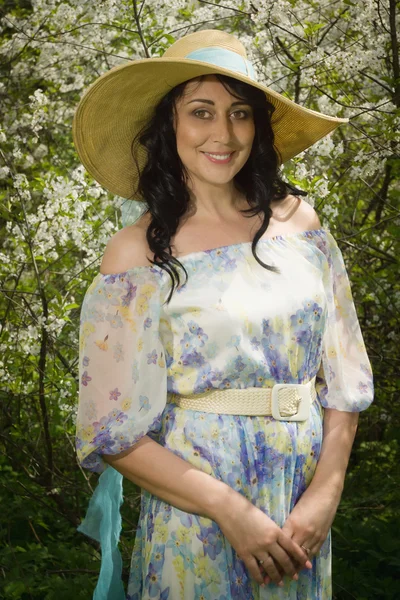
(69, 212)
(40, 151)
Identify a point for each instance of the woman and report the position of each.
(240, 477)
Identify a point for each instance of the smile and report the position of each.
(220, 158)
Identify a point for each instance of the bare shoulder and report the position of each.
(307, 215)
(296, 213)
(126, 249)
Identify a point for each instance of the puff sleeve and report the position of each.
(344, 380)
(122, 395)
(122, 369)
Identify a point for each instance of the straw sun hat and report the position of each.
(121, 101)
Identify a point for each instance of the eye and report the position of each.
(202, 110)
(244, 112)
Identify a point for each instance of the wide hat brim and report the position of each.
(122, 101)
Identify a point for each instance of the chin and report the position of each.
(219, 181)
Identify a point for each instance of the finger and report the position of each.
(309, 540)
(307, 548)
(267, 578)
(284, 559)
(308, 545)
(289, 530)
(311, 549)
(254, 568)
(271, 568)
(314, 548)
(294, 550)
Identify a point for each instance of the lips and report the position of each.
(219, 153)
(221, 161)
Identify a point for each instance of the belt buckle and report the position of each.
(303, 411)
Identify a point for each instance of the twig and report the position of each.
(137, 19)
(34, 533)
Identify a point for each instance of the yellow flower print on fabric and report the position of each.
(176, 372)
(165, 324)
(125, 314)
(332, 352)
(142, 305)
(205, 571)
(181, 417)
(147, 290)
(126, 404)
(179, 567)
(214, 432)
(148, 547)
(86, 433)
(195, 311)
(86, 330)
(160, 530)
(183, 534)
(102, 344)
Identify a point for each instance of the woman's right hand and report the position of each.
(255, 536)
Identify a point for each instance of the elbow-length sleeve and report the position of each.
(344, 380)
(122, 395)
(122, 369)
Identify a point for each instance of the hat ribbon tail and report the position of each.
(103, 523)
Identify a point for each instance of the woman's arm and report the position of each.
(309, 522)
(339, 432)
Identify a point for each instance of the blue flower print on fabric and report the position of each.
(233, 324)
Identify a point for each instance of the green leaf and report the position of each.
(71, 306)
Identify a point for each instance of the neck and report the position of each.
(220, 206)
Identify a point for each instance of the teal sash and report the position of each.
(103, 523)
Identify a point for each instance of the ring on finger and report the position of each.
(306, 549)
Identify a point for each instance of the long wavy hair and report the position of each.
(162, 182)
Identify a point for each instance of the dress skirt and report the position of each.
(183, 556)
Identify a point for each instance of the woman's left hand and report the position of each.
(310, 520)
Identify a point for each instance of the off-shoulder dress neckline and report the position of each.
(210, 251)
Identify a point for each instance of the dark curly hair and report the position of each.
(162, 182)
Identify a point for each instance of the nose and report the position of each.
(222, 130)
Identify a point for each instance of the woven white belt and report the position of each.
(283, 401)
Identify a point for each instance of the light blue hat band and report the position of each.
(221, 57)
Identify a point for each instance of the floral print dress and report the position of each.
(233, 324)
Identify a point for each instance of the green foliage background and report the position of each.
(44, 275)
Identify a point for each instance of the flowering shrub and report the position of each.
(336, 57)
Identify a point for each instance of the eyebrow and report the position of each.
(213, 103)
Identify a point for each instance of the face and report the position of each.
(209, 120)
